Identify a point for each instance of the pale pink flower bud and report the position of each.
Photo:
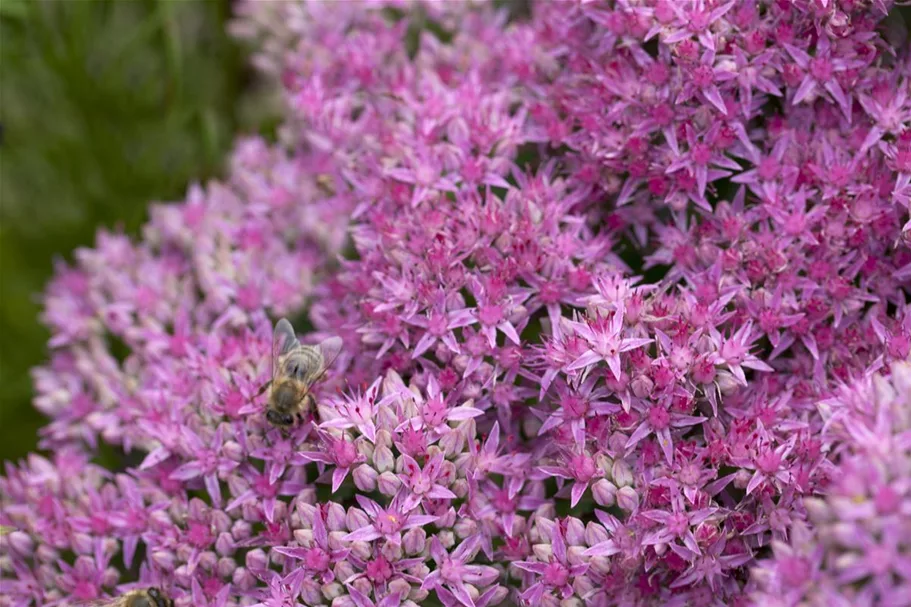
(336, 520)
(575, 532)
(337, 540)
(306, 513)
(595, 534)
(400, 585)
(642, 386)
(110, 576)
(621, 473)
(459, 487)
(356, 518)
(332, 590)
(465, 527)
(224, 545)
(383, 460)
(499, 595)
(417, 595)
(83, 543)
(233, 451)
(543, 552)
(310, 591)
(604, 492)
(362, 550)
(447, 519)
(256, 560)
(413, 541)
(304, 537)
(243, 579)
(628, 499)
(365, 448)
(447, 539)
(388, 483)
(344, 570)
(207, 560)
(225, 567)
(364, 478)
(163, 559)
(21, 543)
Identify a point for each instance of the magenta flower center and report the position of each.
(490, 315)
(379, 570)
(582, 467)
(768, 463)
(659, 418)
(555, 575)
(316, 559)
(389, 522)
(574, 407)
(344, 453)
(434, 412)
(199, 534)
(451, 571)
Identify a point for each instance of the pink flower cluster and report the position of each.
(613, 280)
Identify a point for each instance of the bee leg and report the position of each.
(263, 389)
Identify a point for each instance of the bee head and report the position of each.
(279, 419)
(159, 599)
(152, 597)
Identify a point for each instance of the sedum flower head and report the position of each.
(600, 271)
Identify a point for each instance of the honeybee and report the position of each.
(150, 597)
(295, 369)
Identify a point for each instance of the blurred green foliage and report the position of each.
(106, 105)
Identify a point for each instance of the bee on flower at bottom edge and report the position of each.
(150, 597)
(295, 369)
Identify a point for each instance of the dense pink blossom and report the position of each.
(622, 288)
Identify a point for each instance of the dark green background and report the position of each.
(105, 106)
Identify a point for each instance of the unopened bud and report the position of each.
(604, 461)
(499, 595)
(543, 552)
(622, 473)
(605, 493)
(243, 579)
(818, 510)
(21, 543)
(628, 499)
(642, 386)
(356, 518)
(727, 383)
(413, 541)
(256, 560)
(465, 527)
(595, 534)
(383, 460)
(364, 478)
(388, 483)
(225, 567)
(447, 539)
(337, 517)
(332, 590)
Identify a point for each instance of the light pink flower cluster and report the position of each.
(600, 269)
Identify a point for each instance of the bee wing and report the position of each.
(115, 602)
(329, 349)
(284, 341)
